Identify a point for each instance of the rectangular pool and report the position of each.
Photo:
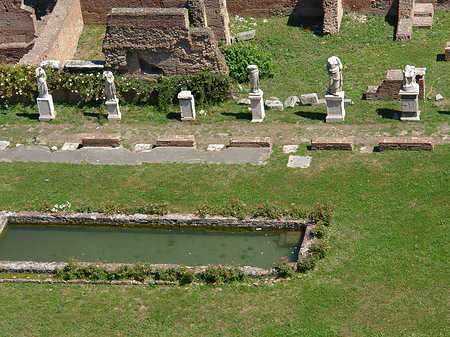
(130, 245)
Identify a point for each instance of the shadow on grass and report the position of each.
(388, 113)
(312, 24)
(441, 112)
(96, 115)
(239, 115)
(33, 116)
(318, 116)
(174, 116)
(440, 57)
(392, 20)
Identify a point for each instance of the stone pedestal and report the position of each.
(46, 109)
(335, 107)
(187, 105)
(114, 114)
(257, 105)
(410, 104)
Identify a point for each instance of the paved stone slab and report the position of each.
(215, 147)
(142, 147)
(290, 148)
(244, 101)
(84, 65)
(299, 161)
(248, 35)
(70, 146)
(121, 156)
(176, 141)
(366, 149)
(4, 144)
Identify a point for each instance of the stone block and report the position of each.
(309, 99)
(447, 51)
(52, 64)
(84, 65)
(406, 143)
(46, 108)
(291, 101)
(404, 30)
(101, 141)
(4, 144)
(244, 101)
(248, 35)
(176, 141)
(320, 102)
(299, 161)
(70, 146)
(274, 104)
(371, 92)
(187, 105)
(257, 106)
(251, 142)
(332, 143)
(114, 114)
(142, 147)
(215, 147)
(290, 148)
(410, 105)
(335, 108)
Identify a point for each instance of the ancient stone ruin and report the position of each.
(18, 30)
(159, 41)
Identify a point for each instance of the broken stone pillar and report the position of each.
(44, 100)
(256, 95)
(409, 94)
(187, 105)
(332, 17)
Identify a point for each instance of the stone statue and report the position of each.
(254, 78)
(41, 82)
(409, 78)
(334, 68)
(110, 87)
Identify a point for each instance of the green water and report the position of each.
(187, 247)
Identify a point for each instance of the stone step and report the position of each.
(101, 141)
(423, 9)
(406, 143)
(447, 51)
(332, 143)
(422, 22)
(251, 142)
(404, 30)
(176, 141)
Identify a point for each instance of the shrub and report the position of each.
(169, 274)
(185, 276)
(306, 264)
(323, 212)
(284, 269)
(239, 56)
(319, 249)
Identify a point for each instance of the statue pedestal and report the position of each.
(257, 105)
(410, 104)
(46, 109)
(114, 114)
(335, 107)
(187, 105)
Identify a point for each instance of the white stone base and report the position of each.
(114, 114)
(46, 108)
(187, 105)
(257, 106)
(410, 105)
(335, 107)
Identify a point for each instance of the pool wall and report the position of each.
(142, 220)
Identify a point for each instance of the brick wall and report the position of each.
(332, 16)
(17, 22)
(156, 41)
(59, 39)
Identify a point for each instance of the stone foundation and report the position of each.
(176, 141)
(332, 16)
(406, 143)
(101, 141)
(332, 143)
(251, 142)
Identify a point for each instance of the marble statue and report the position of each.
(110, 87)
(409, 78)
(41, 82)
(254, 78)
(334, 68)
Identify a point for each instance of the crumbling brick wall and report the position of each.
(96, 11)
(17, 30)
(59, 39)
(159, 42)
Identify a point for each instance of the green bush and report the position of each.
(306, 264)
(284, 269)
(208, 88)
(239, 56)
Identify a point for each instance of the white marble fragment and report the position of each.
(142, 147)
(215, 147)
(70, 146)
(290, 148)
(299, 161)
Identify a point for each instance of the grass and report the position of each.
(388, 270)
(90, 43)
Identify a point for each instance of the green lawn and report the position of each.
(387, 272)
